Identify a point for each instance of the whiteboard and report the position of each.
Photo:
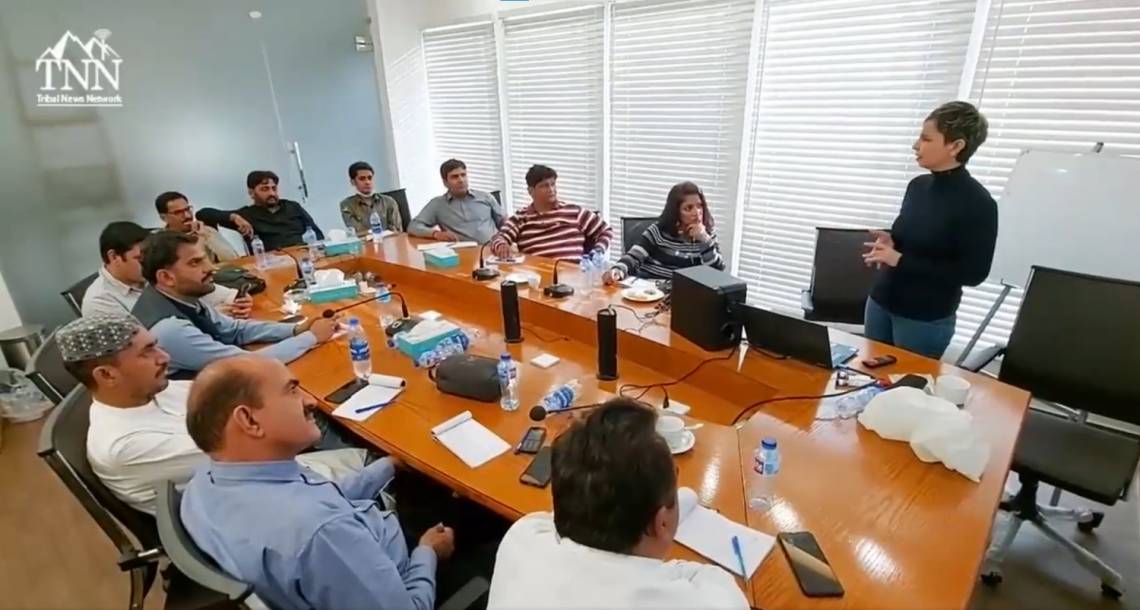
(1073, 211)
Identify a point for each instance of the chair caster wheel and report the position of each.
(991, 579)
(1109, 592)
(1088, 526)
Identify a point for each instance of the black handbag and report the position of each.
(469, 376)
(236, 277)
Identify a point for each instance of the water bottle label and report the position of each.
(359, 350)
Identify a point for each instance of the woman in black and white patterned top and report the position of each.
(682, 237)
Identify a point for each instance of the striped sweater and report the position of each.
(567, 231)
(656, 254)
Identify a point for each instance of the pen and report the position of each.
(370, 408)
(739, 556)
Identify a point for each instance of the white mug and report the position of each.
(952, 388)
(672, 429)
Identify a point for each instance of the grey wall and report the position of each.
(196, 117)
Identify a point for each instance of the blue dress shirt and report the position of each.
(303, 541)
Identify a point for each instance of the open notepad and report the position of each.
(469, 439)
(710, 533)
(357, 408)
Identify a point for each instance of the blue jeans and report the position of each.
(929, 339)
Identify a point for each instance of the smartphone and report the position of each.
(874, 363)
(809, 564)
(346, 391)
(243, 291)
(911, 381)
(538, 473)
(532, 441)
(293, 319)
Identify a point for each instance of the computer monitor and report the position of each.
(783, 335)
(1076, 341)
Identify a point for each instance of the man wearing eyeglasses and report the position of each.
(178, 215)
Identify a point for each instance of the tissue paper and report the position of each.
(329, 277)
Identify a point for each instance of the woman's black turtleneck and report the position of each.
(945, 231)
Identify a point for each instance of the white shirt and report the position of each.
(108, 295)
(536, 568)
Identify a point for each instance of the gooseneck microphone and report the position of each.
(328, 313)
(538, 413)
(607, 344)
(484, 273)
(512, 327)
(557, 290)
(298, 283)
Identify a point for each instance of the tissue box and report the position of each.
(348, 246)
(441, 257)
(421, 344)
(327, 294)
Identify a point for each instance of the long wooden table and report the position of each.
(899, 533)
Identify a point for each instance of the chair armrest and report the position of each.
(138, 559)
(467, 595)
(806, 301)
(981, 359)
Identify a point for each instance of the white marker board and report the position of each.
(1073, 211)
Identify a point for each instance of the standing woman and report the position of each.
(942, 240)
(683, 236)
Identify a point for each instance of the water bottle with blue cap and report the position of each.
(376, 226)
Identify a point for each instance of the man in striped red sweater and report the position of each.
(548, 227)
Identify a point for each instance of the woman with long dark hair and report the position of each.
(683, 236)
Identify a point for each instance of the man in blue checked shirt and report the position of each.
(301, 540)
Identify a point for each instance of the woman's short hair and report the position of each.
(671, 215)
(961, 121)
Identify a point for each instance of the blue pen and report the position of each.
(370, 408)
(739, 556)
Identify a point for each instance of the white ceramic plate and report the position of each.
(642, 295)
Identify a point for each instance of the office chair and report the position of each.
(47, 372)
(498, 195)
(74, 294)
(631, 229)
(1076, 342)
(401, 197)
(63, 445)
(840, 281)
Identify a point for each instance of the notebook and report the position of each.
(470, 440)
(368, 396)
(710, 533)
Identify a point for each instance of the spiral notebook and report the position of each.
(710, 533)
(470, 440)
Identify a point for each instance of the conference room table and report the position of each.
(899, 533)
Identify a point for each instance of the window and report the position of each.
(678, 73)
(463, 91)
(843, 88)
(553, 73)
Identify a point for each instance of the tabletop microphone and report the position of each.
(299, 283)
(484, 273)
(556, 289)
(538, 413)
(512, 326)
(607, 344)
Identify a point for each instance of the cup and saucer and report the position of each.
(679, 437)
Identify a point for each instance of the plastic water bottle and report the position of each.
(508, 383)
(310, 237)
(376, 227)
(562, 397)
(384, 292)
(308, 272)
(766, 463)
(358, 350)
(259, 255)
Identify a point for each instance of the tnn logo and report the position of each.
(96, 64)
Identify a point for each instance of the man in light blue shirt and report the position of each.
(460, 213)
(180, 273)
(300, 540)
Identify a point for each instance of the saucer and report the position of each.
(687, 441)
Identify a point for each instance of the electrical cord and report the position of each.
(664, 385)
(752, 407)
(541, 338)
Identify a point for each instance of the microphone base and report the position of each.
(485, 273)
(558, 291)
(606, 377)
(401, 325)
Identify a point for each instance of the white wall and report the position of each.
(9, 317)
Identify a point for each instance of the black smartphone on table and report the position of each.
(810, 565)
(346, 391)
(538, 473)
(532, 441)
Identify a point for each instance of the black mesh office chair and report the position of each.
(74, 294)
(498, 195)
(401, 197)
(1076, 342)
(631, 228)
(840, 281)
(47, 372)
(63, 445)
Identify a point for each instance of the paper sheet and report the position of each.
(518, 259)
(470, 440)
(366, 397)
(455, 245)
(710, 534)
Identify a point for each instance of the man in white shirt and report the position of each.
(137, 437)
(615, 515)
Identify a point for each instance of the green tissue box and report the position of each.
(328, 294)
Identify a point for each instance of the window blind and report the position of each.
(554, 101)
(464, 98)
(844, 86)
(678, 78)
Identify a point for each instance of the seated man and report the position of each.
(460, 213)
(120, 280)
(548, 227)
(178, 215)
(615, 514)
(300, 540)
(194, 334)
(356, 211)
(279, 223)
(137, 437)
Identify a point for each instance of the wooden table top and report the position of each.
(899, 533)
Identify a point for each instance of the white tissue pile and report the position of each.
(937, 430)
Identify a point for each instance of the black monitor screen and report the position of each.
(787, 336)
(1076, 342)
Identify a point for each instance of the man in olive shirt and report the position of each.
(357, 210)
(460, 213)
(279, 223)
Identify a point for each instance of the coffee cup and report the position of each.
(672, 429)
(952, 388)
